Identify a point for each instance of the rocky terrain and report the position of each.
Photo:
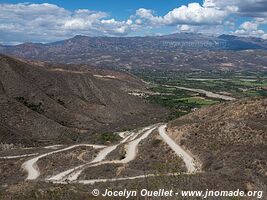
(45, 104)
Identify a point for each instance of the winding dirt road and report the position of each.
(191, 164)
(19, 156)
(130, 140)
(31, 165)
(131, 152)
(188, 159)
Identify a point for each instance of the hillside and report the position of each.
(223, 148)
(183, 51)
(41, 103)
(230, 140)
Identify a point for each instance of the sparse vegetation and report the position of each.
(32, 106)
(6, 147)
(104, 138)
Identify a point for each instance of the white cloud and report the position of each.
(76, 24)
(193, 14)
(212, 17)
(250, 8)
(47, 22)
(252, 28)
(249, 26)
(254, 33)
(204, 29)
(146, 17)
(116, 27)
(184, 28)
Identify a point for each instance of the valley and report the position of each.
(138, 100)
(186, 91)
(67, 129)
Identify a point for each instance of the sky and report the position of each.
(48, 21)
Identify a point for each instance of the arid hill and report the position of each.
(49, 104)
(230, 139)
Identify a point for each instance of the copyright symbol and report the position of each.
(95, 192)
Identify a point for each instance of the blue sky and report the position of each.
(47, 20)
(120, 9)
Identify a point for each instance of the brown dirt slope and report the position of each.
(230, 139)
(44, 104)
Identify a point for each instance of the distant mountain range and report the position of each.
(128, 52)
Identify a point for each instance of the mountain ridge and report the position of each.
(169, 52)
(58, 104)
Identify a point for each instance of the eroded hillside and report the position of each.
(48, 104)
(230, 139)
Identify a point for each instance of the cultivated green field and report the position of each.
(234, 84)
